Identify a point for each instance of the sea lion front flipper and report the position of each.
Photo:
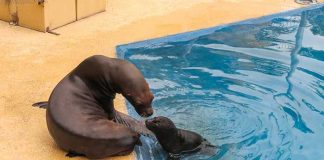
(133, 123)
(72, 154)
(43, 104)
(118, 119)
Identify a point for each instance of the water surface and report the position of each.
(255, 88)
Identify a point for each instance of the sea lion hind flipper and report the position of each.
(42, 104)
(134, 124)
(208, 149)
(72, 154)
(208, 144)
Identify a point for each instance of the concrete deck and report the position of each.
(32, 62)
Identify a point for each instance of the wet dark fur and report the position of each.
(80, 113)
(173, 140)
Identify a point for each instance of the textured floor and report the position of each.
(32, 63)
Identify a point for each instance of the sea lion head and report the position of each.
(160, 124)
(132, 85)
(142, 102)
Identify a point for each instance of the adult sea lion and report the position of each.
(176, 141)
(80, 112)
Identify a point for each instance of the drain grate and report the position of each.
(306, 2)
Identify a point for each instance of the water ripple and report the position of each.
(254, 90)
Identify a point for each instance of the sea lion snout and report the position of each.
(148, 112)
(160, 124)
(142, 101)
(144, 112)
(151, 124)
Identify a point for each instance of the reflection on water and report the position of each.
(256, 90)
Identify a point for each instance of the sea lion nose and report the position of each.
(149, 112)
(148, 121)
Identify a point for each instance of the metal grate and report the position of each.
(306, 2)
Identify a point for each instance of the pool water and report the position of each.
(253, 88)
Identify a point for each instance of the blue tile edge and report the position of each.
(121, 49)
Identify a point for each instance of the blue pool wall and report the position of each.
(120, 49)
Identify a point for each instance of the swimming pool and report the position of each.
(253, 88)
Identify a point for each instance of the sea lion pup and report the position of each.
(80, 112)
(173, 140)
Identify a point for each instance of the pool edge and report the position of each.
(120, 49)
